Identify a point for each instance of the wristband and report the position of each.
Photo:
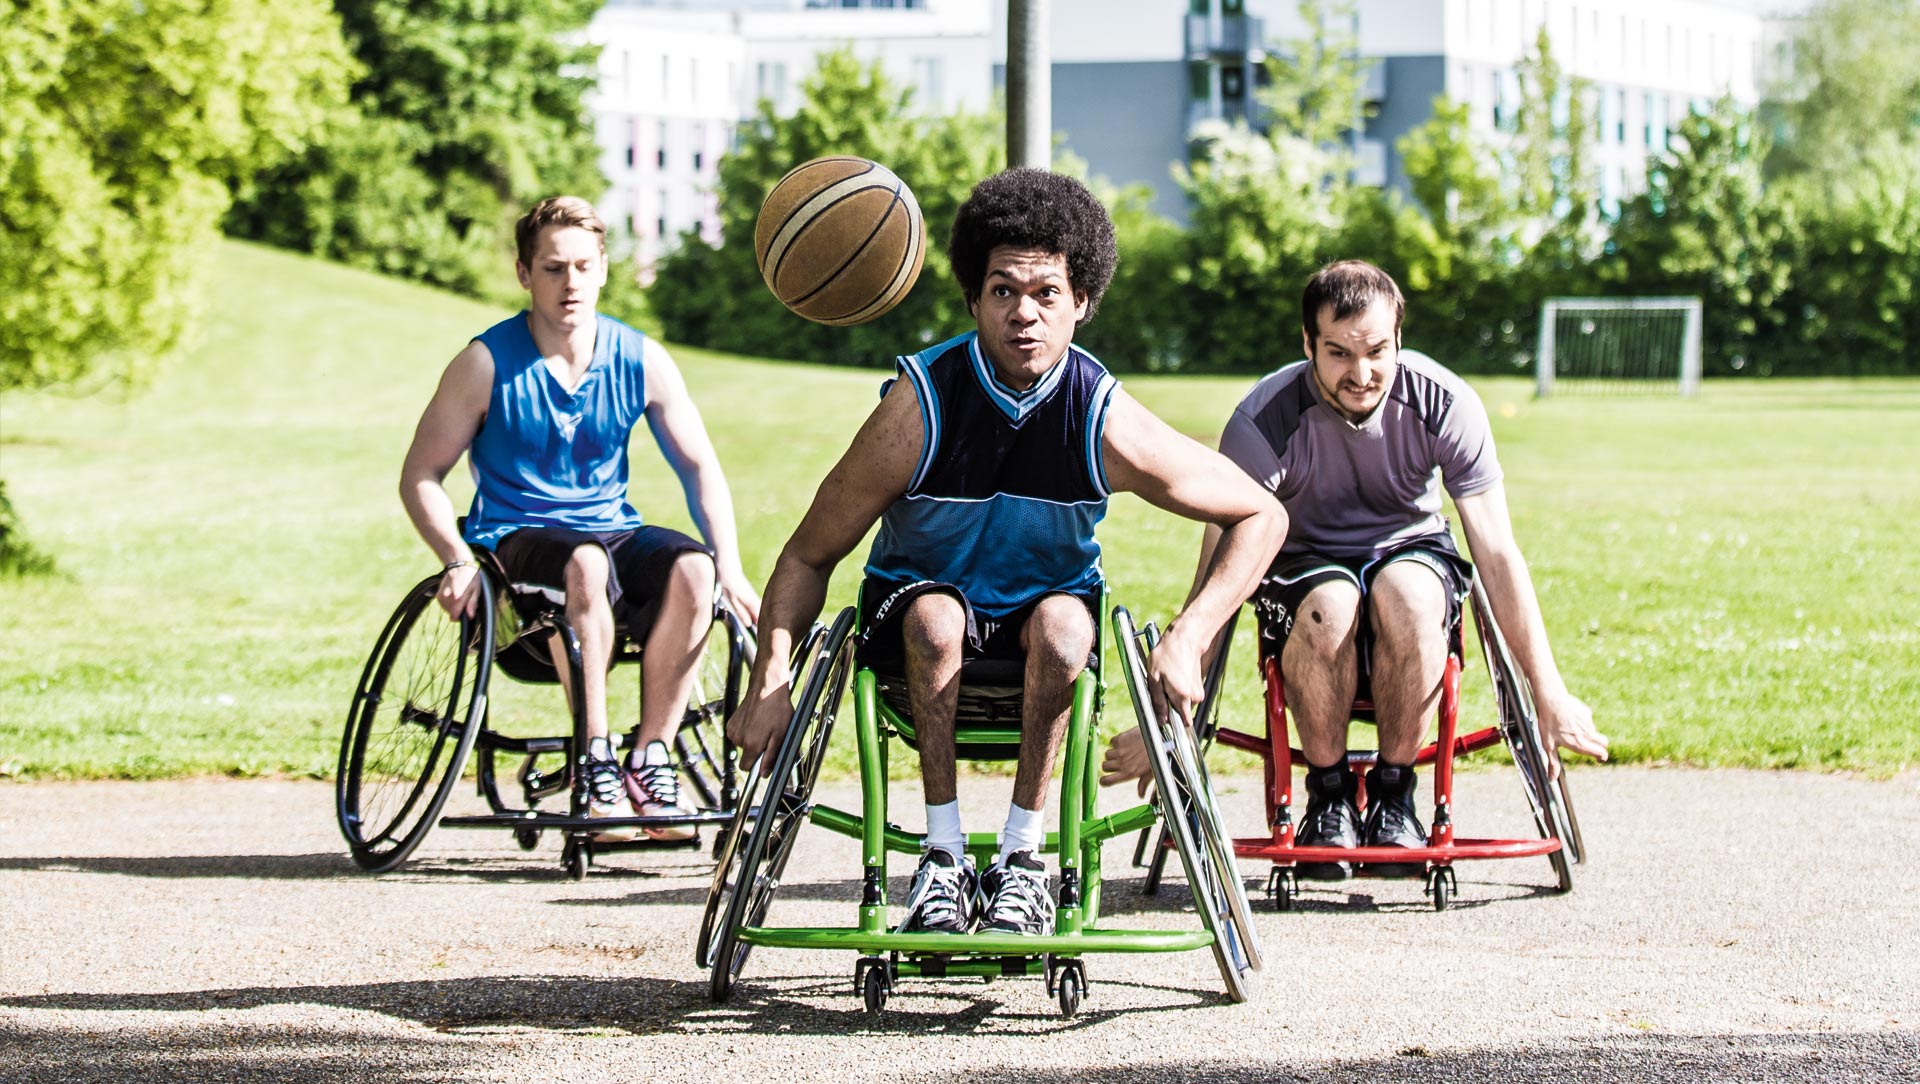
(462, 562)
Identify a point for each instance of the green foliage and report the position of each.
(1708, 226)
(124, 121)
(1856, 271)
(714, 295)
(466, 113)
(1854, 79)
(1141, 322)
(1314, 81)
(18, 557)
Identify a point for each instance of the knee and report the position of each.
(1059, 635)
(587, 575)
(1408, 618)
(1324, 626)
(693, 575)
(934, 627)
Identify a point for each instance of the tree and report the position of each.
(1706, 225)
(1314, 81)
(122, 123)
(1854, 77)
(466, 112)
(713, 296)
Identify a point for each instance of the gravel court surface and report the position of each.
(1740, 926)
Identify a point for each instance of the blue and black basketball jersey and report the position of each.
(1009, 486)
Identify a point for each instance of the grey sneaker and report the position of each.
(944, 897)
(607, 799)
(653, 783)
(1019, 899)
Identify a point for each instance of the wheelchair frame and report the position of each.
(1518, 728)
(444, 730)
(775, 803)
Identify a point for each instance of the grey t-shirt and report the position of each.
(1358, 490)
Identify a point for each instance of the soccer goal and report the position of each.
(1612, 345)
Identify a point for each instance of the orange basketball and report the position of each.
(840, 240)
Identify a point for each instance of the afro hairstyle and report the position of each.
(1036, 209)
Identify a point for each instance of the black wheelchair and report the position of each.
(420, 711)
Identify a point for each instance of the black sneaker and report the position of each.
(1332, 820)
(1019, 900)
(944, 897)
(1391, 821)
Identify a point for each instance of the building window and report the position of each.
(770, 81)
(1233, 82)
(1199, 81)
(699, 146)
(660, 146)
(693, 80)
(666, 77)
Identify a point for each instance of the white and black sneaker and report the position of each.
(653, 783)
(1019, 898)
(944, 897)
(607, 800)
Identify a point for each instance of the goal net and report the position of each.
(1618, 345)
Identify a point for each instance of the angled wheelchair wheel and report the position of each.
(1548, 798)
(1187, 808)
(1206, 722)
(773, 807)
(718, 680)
(419, 706)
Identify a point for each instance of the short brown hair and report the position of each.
(555, 211)
(1349, 286)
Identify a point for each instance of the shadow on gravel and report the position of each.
(287, 1056)
(279, 867)
(645, 1006)
(1801, 1058)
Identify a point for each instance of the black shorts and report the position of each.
(535, 560)
(1278, 599)
(883, 607)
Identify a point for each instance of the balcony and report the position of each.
(1213, 36)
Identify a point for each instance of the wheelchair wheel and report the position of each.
(773, 806)
(719, 678)
(1205, 723)
(1185, 797)
(1548, 798)
(419, 706)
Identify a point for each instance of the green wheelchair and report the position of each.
(774, 803)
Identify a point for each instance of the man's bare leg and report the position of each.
(1319, 664)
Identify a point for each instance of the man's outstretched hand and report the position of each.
(1126, 759)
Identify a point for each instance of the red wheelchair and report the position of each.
(1517, 727)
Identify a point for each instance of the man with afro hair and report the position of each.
(988, 463)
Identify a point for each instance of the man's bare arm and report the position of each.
(445, 432)
(1146, 456)
(1565, 721)
(682, 436)
(871, 475)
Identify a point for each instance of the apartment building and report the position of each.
(677, 78)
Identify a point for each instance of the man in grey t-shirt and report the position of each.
(1364, 598)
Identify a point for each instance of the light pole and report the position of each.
(1029, 85)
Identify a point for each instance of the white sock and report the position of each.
(1026, 830)
(655, 752)
(943, 829)
(599, 749)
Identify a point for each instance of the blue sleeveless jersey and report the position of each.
(1009, 486)
(546, 457)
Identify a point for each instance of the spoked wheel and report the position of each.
(1205, 722)
(718, 679)
(420, 704)
(772, 808)
(1187, 807)
(1549, 799)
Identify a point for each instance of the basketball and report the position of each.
(840, 240)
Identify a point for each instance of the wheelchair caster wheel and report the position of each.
(1441, 886)
(1071, 988)
(575, 859)
(1282, 888)
(874, 983)
(527, 838)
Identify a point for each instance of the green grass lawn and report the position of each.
(1727, 581)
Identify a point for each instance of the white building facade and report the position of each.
(677, 78)
(1132, 77)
